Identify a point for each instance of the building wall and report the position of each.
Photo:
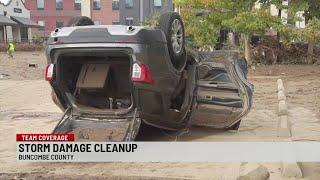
(149, 10)
(9, 32)
(85, 8)
(16, 34)
(301, 24)
(133, 12)
(50, 15)
(1, 33)
(284, 15)
(273, 10)
(106, 15)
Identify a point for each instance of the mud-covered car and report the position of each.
(109, 79)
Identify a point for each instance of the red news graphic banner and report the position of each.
(45, 137)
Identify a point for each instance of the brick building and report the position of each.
(56, 13)
(134, 12)
(125, 12)
(52, 13)
(102, 12)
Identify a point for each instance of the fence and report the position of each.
(34, 40)
(23, 46)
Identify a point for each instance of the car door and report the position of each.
(223, 94)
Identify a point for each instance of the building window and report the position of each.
(129, 21)
(24, 34)
(96, 4)
(129, 3)
(115, 4)
(59, 5)
(115, 22)
(157, 3)
(59, 24)
(40, 4)
(41, 23)
(77, 4)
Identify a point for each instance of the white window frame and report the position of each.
(56, 3)
(40, 2)
(98, 3)
(157, 3)
(41, 23)
(77, 2)
(129, 4)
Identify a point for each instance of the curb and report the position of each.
(284, 127)
(284, 130)
(283, 123)
(281, 96)
(283, 108)
(280, 85)
(291, 170)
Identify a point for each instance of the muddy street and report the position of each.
(26, 107)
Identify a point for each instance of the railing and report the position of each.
(24, 45)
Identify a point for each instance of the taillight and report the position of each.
(141, 73)
(49, 72)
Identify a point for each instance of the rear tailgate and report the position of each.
(95, 128)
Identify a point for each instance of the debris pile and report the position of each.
(269, 51)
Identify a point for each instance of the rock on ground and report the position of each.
(253, 171)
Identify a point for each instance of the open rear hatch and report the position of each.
(99, 128)
(96, 84)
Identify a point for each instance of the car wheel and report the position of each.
(172, 26)
(80, 21)
(235, 126)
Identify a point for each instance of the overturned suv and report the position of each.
(109, 79)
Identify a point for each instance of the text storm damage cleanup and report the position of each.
(59, 151)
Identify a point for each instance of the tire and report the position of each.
(172, 26)
(80, 21)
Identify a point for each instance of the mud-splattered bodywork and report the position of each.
(173, 100)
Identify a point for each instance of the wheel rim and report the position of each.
(176, 36)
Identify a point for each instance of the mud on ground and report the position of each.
(26, 107)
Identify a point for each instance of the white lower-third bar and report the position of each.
(168, 152)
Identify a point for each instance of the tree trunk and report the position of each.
(279, 16)
(310, 52)
(247, 47)
(231, 39)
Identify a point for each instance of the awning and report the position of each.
(5, 21)
(24, 22)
